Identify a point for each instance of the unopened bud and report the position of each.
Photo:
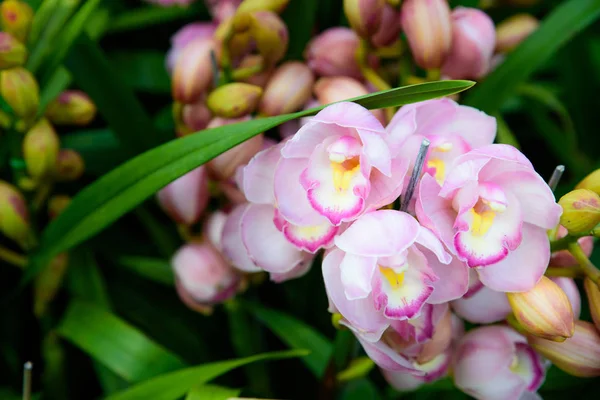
(57, 204)
(234, 100)
(389, 29)
(591, 182)
(69, 165)
(578, 355)
(276, 6)
(40, 150)
(260, 78)
(203, 277)
(181, 38)
(473, 43)
(15, 18)
(20, 90)
(544, 311)
(570, 288)
(72, 107)
(440, 341)
(14, 217)
(268, 32)
(12, 52)
(195, 117)
(333, 53)
(288, 90)
(48, 282)
(193, 72)
(428, 28)
(593, 296)
(186, 198)
(581, 210)
(512, 31)
(364, 16)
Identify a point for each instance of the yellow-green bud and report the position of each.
(544, 311)
(40, 150)
(69, 165)
(12, 52)
(591, 182)
(593, 295)
(268, 31)
(581, 210)
(57, 204)
(15, 18)
(71, 107)
(364, 16)
(14, 217)
(48, 282)
(512, 31)
(234, 100)
(20, 90)
(259, 5)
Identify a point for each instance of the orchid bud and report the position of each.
(15, 18)
(389, 28)
(581, 210)
(570, 288)
(578, 355)
(427, 26)
(20, 90)
(260, 78)
(591, 182)
(192, 74)
(224, 165)
(234, 100)
(440, 341)
(364, 16)
(185, 199)
(69, 165)
(203, 277)
(185, 35)
(473, 43)
(512, 31)
(333, 53)
(288, 90)
(190, 118)
(276, 6)
(563, 258)
(48, 282)
(14, 217)
(222, 10)
(593, 295)
(544, 311)
(268, 32)
(212, 230)
(71, 107)
(57, 204)
(12, 52)
(40, 150)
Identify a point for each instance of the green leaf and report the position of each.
(84, 279)
(143, 70)
(359, 368)
(173, 385)
(155, 269)
(558, 28)
(359, 390)
(98, 147)
(59, 82)
(299, 17)
(212, 392)
(153, 15)
(297, 334)
(121, 190)
(114, 343)
(505, 135)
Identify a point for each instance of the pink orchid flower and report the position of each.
(495, 363)
(492, 212)
(481, 305)
(426, 373)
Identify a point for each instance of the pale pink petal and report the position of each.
(502, 152)
(435, 212)
(296, 272)
(429, 241)
(386, 357)
(453, 280)
(357, 273)
(259, 176)
(569, 286)
(349, 115)
(385, 190)
(402, 125)
(232, 244)
(401, 380)
(311, 237)
(484, 307)
(476, 127)
(376, 150)
(462, 173)
(523, 267)
(529, 367)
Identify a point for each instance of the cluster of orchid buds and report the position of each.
(36, 159)
(423, 221)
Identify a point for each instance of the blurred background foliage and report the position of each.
(118, 321)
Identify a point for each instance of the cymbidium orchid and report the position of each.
(492, 212)
(481, 305)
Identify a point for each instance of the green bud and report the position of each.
(591, 182)
(581, 210)
(40, 150)
(69, 165)
(276, 6)
(268, 31)
(72, 107)
(14, 217)
(48, 282)
(20, 90)
(15, 18)
(234, 100)
(12, 52)
(57, 204)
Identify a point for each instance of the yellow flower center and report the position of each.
(343, 172)
(395, 279)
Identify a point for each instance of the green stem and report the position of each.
(569, 272)
(587, 267)
(12, 257)
(245, 73)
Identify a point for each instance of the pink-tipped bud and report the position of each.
(427, 26)
(364, 16)
(222, 10)
(440, 341)
(20, 90)
(224, 165)
(185, 35)
(581, 210)
(591, 182)
(276, 6)
(389, 28)
(512, 31)
(563, 258)
(190, 118)
(57, 204)
(288, 90)
(340, 88)
(14, 217)
(71, 107)
(192, 74)
(333, 53)
(544, 311)
(578, 355)
(15, 18)
(473, 43)
(69, 165)
(203, 277)
(40, 150)
(268, 32)
(593, 295)
(48, 283)
(234, 100)
(12, 52)
(186, 198)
